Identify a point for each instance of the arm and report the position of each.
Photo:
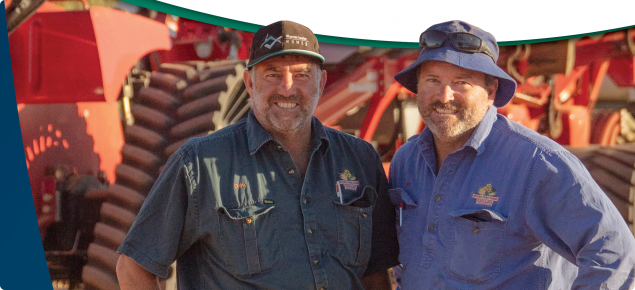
(166, 225)
(132, 276)
(377, 281)
(570, 214)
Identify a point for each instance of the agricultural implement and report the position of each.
(105, 96)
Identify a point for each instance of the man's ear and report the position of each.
(249, 84)
(492, 89)
(322, 82)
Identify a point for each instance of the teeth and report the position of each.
(442, 111)
(286, 105)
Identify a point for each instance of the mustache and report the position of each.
(452, 105)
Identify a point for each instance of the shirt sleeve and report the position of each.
(570, 214)
(384, 244)
(167, 222)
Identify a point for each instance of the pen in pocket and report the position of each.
(338, 190)
(401, 206)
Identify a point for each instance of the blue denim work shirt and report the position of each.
(511, 209)
(233, 210)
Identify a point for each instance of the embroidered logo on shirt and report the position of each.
(240, 185)
(486, 195)
(348, 180)
(269, 201)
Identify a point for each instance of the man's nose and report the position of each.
(286, 87)
(446, 95)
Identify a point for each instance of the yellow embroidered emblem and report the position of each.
(348, 180)
(347, 175)
(486, 195)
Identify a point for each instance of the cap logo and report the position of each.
(296, 40)
(271, 39)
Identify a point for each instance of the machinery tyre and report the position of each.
(97, 279)
(117, 216)
(178, 104)
(151, 118)
(612, 168)
(140, 158)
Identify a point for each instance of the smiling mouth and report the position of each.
(444, 111)
(286, 105)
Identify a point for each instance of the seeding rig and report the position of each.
(106, 95)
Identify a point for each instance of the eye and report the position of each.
(432, 80)
(272, 75)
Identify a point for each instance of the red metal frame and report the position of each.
(57, 61)
(592, 59)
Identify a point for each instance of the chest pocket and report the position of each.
(474, 253)
(249, 238)
(354, 227)
(406, 210)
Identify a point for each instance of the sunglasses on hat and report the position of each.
(462, 41)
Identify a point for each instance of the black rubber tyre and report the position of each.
(178, 104)
(613, 168)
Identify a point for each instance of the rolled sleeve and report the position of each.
(166, 224)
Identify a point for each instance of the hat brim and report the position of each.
(473, 61)
(294, 51)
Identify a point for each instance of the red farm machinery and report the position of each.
(105, 96)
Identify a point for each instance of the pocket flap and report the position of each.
(399, 196)
(366, 199)
(484, 215)
(255, 209)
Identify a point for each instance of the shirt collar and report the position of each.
(258, 136)
(425, 140)
(482, 130)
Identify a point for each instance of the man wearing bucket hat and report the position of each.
(276, 201)
(485, 203)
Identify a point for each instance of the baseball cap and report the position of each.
(484, 61)
(283, 37)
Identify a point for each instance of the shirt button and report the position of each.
(315, 261)
(248, 220)
(305, 201)
(310, 231)
(475, 230)
(291, 171)
(437, 198)
(431, 228)
(364, 215)
(279, 146)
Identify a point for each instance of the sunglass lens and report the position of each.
(432, 38)
(466, 42)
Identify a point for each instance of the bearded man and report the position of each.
(485, 203)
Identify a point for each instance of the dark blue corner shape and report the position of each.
(22, 261)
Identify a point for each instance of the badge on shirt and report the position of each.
(486, 195)
(348, 180)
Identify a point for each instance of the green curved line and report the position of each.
(250, 27)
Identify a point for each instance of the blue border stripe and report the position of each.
(22, 261)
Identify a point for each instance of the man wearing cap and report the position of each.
(485, 203)
(276, 201)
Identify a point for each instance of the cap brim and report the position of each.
(294, 51)
(473, 61)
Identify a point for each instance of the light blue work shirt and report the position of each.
(511, 209)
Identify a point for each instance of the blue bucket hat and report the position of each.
(476, 61)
